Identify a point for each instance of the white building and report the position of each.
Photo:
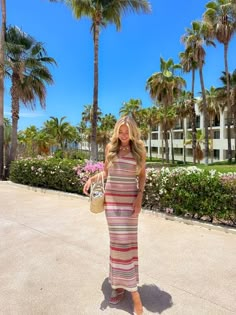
(220, 144)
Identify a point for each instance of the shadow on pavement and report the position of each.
(154, 300)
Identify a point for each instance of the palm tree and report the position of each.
(195, 38)
(221, 15)
(101, 13)
(27, 139)
(200, 140)
(184, 109)
(167, 119)
(131, 108)
(2, 43)
(87, 114)
(81, 127)
(213, 108)
(223, 93)
(105, 129)
(7, 142)
(43, 142)
(150, 117)
(189, 64)
(59, 130)
(87, 118)
(26, 65)
(164, 87)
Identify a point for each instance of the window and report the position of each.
(216, 154)
(189, 152)
(154, 150)
(179, 125)
(154, 136)
(216, 121)
(178, 135)
(178, 151)
(197, 121)
(189, 123)
(155, 128)
(216, 134)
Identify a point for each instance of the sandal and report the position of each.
(116, 296)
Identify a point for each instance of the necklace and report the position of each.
(124, 148)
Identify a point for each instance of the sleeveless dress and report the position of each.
(120, 193)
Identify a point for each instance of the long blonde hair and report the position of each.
(136, 144)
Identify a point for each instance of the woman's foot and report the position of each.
(138, 306)
(116, 296)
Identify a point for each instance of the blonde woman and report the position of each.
(125, 173)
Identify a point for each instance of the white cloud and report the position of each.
(31, 115)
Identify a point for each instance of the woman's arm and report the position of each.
(141, 184)
(142, 180)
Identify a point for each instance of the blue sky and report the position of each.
(126, 58)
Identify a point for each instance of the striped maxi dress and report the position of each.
(120, 192)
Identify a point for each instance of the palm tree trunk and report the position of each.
(205, 113)
(172, 147)
(193, 121)
(150, 144)
(15, 118)
(94, 150)
(211, 133)
(235, 139)
(234, 120)
(166, 135)
(166, 145)
(162, 146)
(229, 116)
(184, 144)
(3, 31)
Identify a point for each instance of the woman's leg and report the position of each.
(138, 306)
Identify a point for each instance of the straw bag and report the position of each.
(97, 195)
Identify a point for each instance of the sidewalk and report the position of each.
(54, 258)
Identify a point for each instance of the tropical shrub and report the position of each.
(183, 191)
(49, 173)
(192, 192)
(53, 173)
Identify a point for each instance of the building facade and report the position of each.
(217, 139)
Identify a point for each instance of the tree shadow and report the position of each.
(154, 299)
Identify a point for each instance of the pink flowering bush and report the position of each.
(192, 192)
(88, 169)
(229, 182)
(60, 174)
(185, 191)
(48, 173)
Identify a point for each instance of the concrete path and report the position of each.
(54, 260)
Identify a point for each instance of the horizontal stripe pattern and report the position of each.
(120, 192)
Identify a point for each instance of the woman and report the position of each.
(125, 173)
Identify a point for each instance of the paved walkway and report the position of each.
(54, 260)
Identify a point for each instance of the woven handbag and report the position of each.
(97, 196)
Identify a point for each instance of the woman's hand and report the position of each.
(87, 186)
(137, 205)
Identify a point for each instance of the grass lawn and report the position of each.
(220, 167)
(224, 168)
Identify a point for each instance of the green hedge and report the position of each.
(52, 173)
(191, 191)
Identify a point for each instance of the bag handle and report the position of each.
(93, 186)
(102, 180)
